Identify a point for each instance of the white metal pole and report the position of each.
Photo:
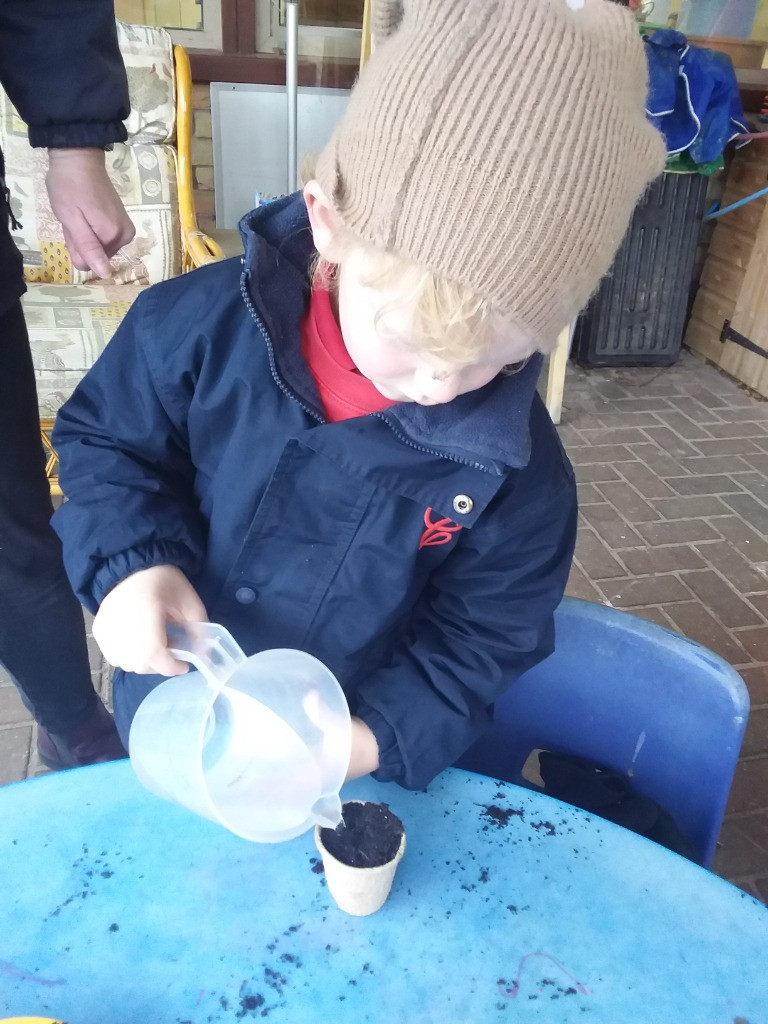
(292, 88)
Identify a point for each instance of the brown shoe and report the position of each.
(92, 742)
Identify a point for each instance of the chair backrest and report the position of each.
(143, 171)
(652, 705)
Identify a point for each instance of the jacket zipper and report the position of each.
(428, 451)
(270, 349)
(287, 391)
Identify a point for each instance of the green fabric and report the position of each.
(683, 163)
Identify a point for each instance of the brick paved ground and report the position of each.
(672, 467)
(673, 478)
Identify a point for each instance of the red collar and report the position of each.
(344, 392)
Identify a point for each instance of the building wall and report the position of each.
(202, 155)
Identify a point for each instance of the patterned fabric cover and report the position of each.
(69, 326)
(71, 316)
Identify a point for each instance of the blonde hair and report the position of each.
(449, 320)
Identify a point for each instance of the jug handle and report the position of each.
(208, 646)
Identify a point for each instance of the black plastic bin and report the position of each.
(637, 316)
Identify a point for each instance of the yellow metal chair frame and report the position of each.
(558, 360)
(197, 248)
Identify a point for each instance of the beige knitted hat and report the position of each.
(503, 144)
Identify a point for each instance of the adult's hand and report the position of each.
(84, 200)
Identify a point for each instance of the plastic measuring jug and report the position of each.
(260, 745)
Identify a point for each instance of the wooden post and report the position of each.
(558, 361)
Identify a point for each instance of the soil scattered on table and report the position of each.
(317, 865)
(547, 826)
(368, 835)
(500, 816)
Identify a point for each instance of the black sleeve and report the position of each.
(62, 69)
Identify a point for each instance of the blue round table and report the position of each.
(119, 908)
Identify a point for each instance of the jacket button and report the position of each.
(463, 504)
(245, 595)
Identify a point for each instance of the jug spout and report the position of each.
(327, 811)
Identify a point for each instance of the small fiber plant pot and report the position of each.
(360, 856)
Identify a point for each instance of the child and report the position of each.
(362, 469)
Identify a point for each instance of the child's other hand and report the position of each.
(131, 622)
(364, 757)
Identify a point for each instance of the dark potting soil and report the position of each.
(367, 836)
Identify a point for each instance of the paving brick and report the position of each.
(647, 404)
(759, 442)
(760, 602)
(738, 397)
(723, 430)
(756, 736)
(646, 561)
(670, 442)
(594, 558)
(569, 435)
(687, 429)
(580, 586)
(694, 621)
(711, 464)
(627, 501)
(749, 508)
(12, 711)
(608, 389)
(757, 411)
(756, 679)
(610, 527)
(692, 507)
(605, 436)
(631, 592)
(576, 417)
(14, 752)
(750, 786)
(761, 888)
(710, 400)
(727, 446)
(95, 658)
(695, 410)
(678, 531)
(652, 613)
(737, 854)
(717, 484)
(588, 494)
(755, 827)
(645, 480)
(737, 569)
(758, 462)
(662, 385)
(721, 599)
(755, 641)
(592, 474)
(605, 453)
(617, 420)
(660, 462)
(749, 542)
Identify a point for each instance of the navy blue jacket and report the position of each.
(61, 67)
(198, 440)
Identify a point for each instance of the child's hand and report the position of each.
(364, 756)
(130, 624)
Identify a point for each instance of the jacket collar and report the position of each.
(487, 428)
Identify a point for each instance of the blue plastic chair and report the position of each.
(651, 705)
